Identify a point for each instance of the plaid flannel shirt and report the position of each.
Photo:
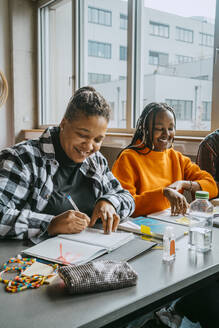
(208, 155)
(26, 183)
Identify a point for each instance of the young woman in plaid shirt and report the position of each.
(37, 175)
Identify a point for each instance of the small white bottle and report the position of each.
(169, 252)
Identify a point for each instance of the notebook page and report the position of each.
(65, 251)
(97, 237)
(166, 216)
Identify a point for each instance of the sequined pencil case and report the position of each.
(97, 276)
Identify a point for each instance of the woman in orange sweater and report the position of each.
(153, 172)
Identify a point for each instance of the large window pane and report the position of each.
(170, 58)
(56, 60)
(104, 59)
(178, 66)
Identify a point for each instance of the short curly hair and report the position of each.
(89, 102)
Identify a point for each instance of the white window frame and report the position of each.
(135, 38)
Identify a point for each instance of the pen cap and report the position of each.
(169, 232)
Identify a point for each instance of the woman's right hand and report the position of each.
(177, 201)
(68, 222)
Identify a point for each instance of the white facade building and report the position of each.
(177, 60)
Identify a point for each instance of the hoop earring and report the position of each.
(172, 143)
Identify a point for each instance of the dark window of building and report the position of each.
(99, 16)
(159, 29)
(99, 49)
(206, 40)
(123, 53)
(158, 58)
(183, 108)
(183, 34)
(180, 59)
(123, 22)
(98, 78)
(206, 113)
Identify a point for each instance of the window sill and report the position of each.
(31, 134)
(186, 145)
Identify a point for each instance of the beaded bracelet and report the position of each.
(20, 282)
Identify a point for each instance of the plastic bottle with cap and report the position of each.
(169, 244)
(201, 222)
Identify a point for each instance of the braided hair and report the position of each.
(89, 102)
(142, 131)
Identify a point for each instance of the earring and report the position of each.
(172, 143)
(152, 148)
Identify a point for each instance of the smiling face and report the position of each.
(164, 130)
(83, 136)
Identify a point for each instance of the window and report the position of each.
(180, 59)
(158, 58)
(206, 40)
(123, 116)
(183, 108)
(110, 44)
(206, 111)
(123, 22)
(84, 44)
(183, 34)
(112, 105)
(98, 78)
(99, 49)
(183, 78)
(159, 29)
(123, 53)
(56, 74)
(99, 16)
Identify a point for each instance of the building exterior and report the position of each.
(177, 60)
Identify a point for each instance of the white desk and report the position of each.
(51, 306)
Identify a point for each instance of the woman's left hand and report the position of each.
(177, 201)
(107, 213)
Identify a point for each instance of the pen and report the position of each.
(73, 203)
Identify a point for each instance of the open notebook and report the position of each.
(152, 227)
(78, 248)
(180, 218)
(167, 217)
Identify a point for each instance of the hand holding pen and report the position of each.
(72, 221)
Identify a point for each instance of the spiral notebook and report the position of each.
(78, 248)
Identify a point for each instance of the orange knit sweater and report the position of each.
(145, 176)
